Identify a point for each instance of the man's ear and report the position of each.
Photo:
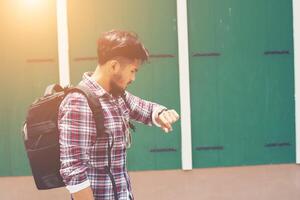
(114, 65)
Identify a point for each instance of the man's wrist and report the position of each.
(156, 110)
(160, 112)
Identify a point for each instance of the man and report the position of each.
(95, 168)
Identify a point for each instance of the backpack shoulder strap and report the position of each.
(94, 105)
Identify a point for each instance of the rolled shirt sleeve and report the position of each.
(141, 110)
(77, 134)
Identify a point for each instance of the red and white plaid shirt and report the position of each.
(83, 155)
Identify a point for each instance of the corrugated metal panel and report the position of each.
(242, 89)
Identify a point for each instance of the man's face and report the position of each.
(124, 76)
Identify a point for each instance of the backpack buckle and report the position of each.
(51, 89)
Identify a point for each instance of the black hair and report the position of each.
(117, 43)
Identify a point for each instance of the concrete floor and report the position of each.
(266, 182)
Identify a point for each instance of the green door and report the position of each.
(28, 57)
(158, 80)
(242, 86)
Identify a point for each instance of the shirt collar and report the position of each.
(95, 87)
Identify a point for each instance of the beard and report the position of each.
(116, 90)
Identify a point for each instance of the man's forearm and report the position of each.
(85, 194)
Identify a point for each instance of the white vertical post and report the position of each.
(184, 80)
(296, 19)
(63, 42)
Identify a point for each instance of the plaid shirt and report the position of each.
(83, 155)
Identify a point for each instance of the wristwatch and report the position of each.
(163, 110)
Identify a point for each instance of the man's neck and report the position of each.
(101, 79)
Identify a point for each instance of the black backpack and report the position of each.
(41, 135)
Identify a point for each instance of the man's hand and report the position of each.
(166, 118)
(84, 194)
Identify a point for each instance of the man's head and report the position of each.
(120, 53)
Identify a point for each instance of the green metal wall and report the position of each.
(242, 82)
(28, 59)
(155, 22)
(241, 75)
